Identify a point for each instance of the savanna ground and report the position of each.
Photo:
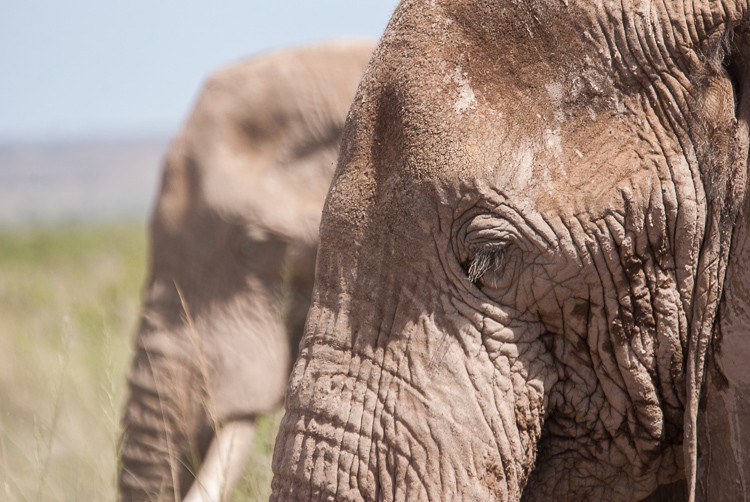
(69, 298)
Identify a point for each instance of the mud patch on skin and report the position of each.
(495, 480)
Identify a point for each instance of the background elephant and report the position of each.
(523, 253)
(233, 240)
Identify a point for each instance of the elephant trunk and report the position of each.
(161, 435)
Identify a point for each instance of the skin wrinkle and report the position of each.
(388, 387)
(689, 17)
(697, 349)
(642, 57)
(704, 30)
(671, 209)
(582, 246)
(443, 345)
(606, 374)
(622, 45)
(626, 323)
(409, 389)
(523, 222)
(663, 43)
(360, 452)
(363, 448)
(498, 425)
(683, 209)
(508, 427)
(641, 303)
(333, 442)
(389, 458)
(352, 402)
(655, 42)
(381, 388)
(661, 324)
(394, 377)
(617, 388)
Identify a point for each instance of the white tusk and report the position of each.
(224, 462)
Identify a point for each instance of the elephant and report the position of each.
(233, 239)
(532, 278)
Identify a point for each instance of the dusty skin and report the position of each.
(532, 280)
(233, 239)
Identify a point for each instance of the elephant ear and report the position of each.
(717, 441)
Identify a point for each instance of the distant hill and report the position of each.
(78, 181)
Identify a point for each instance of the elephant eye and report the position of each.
(485, 260)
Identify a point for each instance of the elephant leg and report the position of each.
(224, 462)
(159, 440)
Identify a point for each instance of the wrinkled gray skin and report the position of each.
(523, 253)
(233, 239)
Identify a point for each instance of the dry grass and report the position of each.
(69, 298)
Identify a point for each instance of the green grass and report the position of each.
(69, 299)
(68, 303)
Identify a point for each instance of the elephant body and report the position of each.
(233, 238)
(522, 257)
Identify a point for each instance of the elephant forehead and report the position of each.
(521, 116)
(431, 151)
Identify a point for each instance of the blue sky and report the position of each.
(96, 69)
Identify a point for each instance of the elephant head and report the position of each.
(233, 239)
(523, 252)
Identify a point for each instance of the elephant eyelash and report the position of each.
(484, 260)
